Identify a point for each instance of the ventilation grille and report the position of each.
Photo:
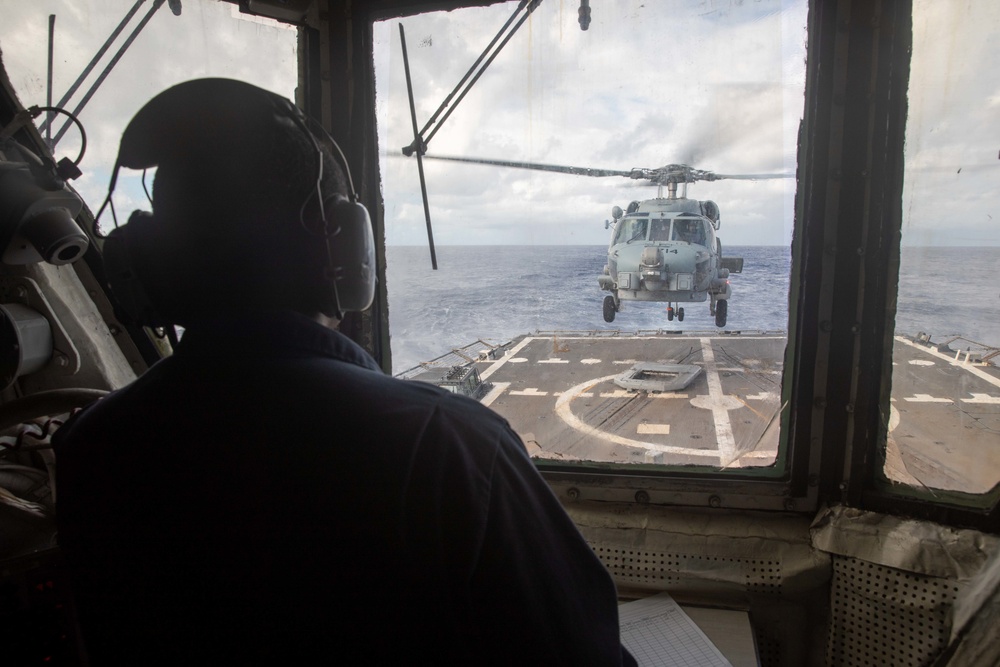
(881, 616)
(655, 567)
(658, 569)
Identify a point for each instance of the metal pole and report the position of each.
(107, 70)
(93, 61)
(417, 141)
(447, 100)
(531, 7)
(48, 90)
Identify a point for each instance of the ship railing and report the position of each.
(477, 350)
(647, 333)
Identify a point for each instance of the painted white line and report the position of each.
(625, 362)
(518, 360)
(574, 422)
(555, 360)
(530, 391)
(623, 393)
(720, 413)
(507, 357)
(982, 398)
(590, 361)
(926, 398)
(586, 394)
(921, 362)
(498, 388)
(653, 429)
(762, 396)
(893, 418)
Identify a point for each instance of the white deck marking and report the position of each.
(586, 394)
(590, 361)
(893, 418)
(507, 357)
(625, 362)
(762, 396)
(983, 375)
(720, 408)
(926, 398)
(518, 360)
(574, 422)
(619, 393)
(653, 429)
(530, 391)
(982, 398)
(554, 360)
(921, 362)
(498, 388)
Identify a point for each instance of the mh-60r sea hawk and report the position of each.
(666, 249)
(663, 249)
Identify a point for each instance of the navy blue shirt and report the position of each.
(267, 495)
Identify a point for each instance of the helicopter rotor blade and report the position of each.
(578, 171)
(671, 173)
(750, 177)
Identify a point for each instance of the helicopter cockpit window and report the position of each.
(689, 231)
(943, 428)
(660, 230)
(631, 229)
(596, 333)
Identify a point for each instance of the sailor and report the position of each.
(266, 494)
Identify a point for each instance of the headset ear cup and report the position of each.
(351, 247)
(124, 270)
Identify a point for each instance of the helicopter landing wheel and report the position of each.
(680, 314)
(720, 312)
(670, 313)
(609, 309)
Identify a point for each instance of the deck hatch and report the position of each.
(647, 376)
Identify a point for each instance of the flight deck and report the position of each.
(712, 399)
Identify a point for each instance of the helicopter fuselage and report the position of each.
(667, 250)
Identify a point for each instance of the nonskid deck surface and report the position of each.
(558, 392)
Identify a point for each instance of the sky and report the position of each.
(717, 84)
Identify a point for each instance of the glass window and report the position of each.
(631, 229)
(944, 417)
(689, 230)
(660, 230)
(596, 354)
(171, 42)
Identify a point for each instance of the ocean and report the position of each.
(495, 293)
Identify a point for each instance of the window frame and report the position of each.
(844, 273)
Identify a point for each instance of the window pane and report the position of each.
(646, 379)
(944, 426)
(206, 39)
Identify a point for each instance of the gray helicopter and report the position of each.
(663, 249)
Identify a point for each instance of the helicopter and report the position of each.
(664, 249)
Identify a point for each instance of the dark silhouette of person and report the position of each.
(266, 494)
